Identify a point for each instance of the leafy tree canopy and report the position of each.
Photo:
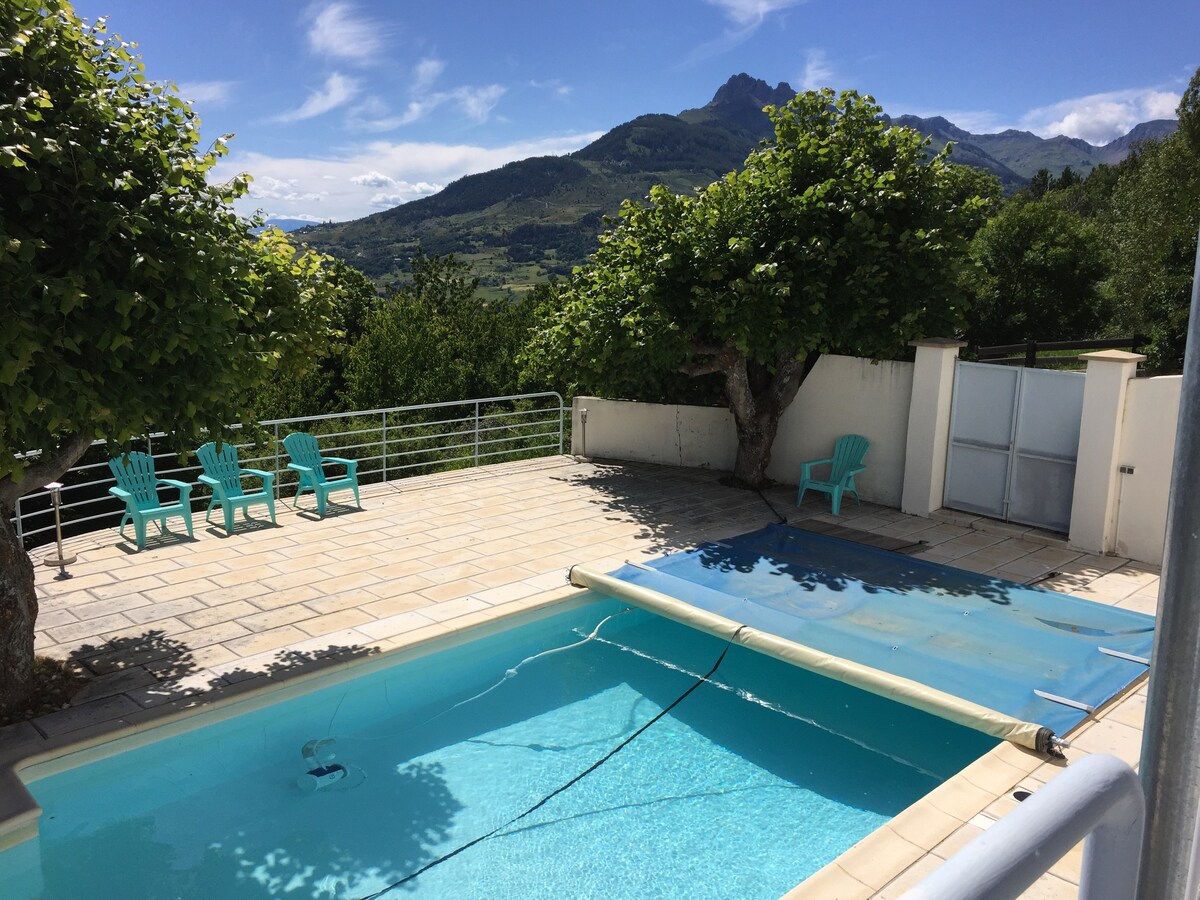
(1151, 228)
(435, 339)
(133, 297)
(838, 236)
(1038, 276)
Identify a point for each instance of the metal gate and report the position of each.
(1014, 438)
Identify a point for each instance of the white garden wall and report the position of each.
(1125, 514)
(842, 395)
(1148, 445)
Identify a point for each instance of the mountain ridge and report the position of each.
(535, 218)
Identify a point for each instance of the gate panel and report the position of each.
(1014, 437)
(981, 434)
(1046, 445)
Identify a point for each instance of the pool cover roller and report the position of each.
(894, 687)
(1015, 661)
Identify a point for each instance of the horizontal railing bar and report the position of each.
(486, 429)
(393, 409)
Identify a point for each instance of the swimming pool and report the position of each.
(754, 780)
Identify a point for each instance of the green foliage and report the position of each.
(838, 236)
(1038, 276)
(834, 238)
(1151, 229)
(134, 298)
(435, 339)
(321, 387)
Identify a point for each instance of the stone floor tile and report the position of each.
(262, 641)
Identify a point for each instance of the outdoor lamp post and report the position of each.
(60, 561)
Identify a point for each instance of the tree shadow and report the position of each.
(809, 561)
(672, 504)
(156, 669)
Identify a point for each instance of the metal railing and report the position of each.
(1097, 797)
(1029, 350)
(388, 444)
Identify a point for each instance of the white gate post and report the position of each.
(929, 425)
(1094, 504)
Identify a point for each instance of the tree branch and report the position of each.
(50, 467)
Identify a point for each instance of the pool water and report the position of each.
(736, 792)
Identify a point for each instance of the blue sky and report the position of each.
(346, 107)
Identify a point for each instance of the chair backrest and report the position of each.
(848, 453)
(222, 466)
(302, 448)
(134, 473)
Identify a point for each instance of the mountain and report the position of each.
(539, 217)
(1155, 130)
(289, 224)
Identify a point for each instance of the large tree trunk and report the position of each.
(757, 397)
(18, 611)
(18, 599)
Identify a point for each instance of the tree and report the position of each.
(1038, 276)
(837, 236)
(133, 297)
(435, 339)
(1151, 229)
(322, 388)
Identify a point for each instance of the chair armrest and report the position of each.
(350, 464)
(259, 472)
(807, 467)
(855, 471)
(120, 492)
(296, 467)
(185, 489)
(211, 482)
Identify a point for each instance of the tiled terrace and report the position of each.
(186, 621)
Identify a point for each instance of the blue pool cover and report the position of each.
(987, 640)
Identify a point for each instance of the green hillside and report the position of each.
(537, 218)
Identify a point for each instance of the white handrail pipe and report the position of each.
(1098, 798)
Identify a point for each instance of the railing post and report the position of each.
(383, 416)
(278, 494)
(20, 524)
(562, 412)
(1030, 353)
(476, 434)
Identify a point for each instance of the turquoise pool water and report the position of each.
(737, 792)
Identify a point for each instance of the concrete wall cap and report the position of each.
(1113, 356)
(943, 343)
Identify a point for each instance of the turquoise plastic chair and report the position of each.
(308, 461)
(223, 474)
(138, 486)
(846, 462)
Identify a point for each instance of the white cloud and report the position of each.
(268, 187)
(747, 16)
(554, 85)
(474, 103)
(339, 31)
(1100, 118)
(817, 71)
(338, 90)
(751, 12)
(426, 73)
(210, 93)
(477, 103)
(373, 179)
(359, 181)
